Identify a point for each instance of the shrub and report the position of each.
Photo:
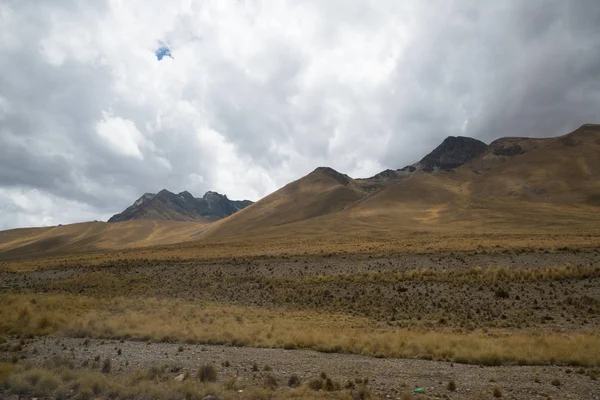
(316, 384)
(294, 381)
(555, 382)
(330, 385)
(451, 386)
(155, 372)
(207, 373)
(106, 366)
(501, 293)
(46, 385)
(363, 393)
(270, 382)
(497, 392)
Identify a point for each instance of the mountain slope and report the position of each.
(180, 207)
(323, 191)
(563, 170)
(513, 184)
(94, 236)
(452, 153)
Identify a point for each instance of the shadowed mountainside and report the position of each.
(180, 207)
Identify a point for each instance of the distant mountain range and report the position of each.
(512, 185)
(166, 205)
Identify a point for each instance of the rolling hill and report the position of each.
(94, 236)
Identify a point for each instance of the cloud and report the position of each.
(121, 135)
(260, 93)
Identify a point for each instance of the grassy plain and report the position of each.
(489, 299)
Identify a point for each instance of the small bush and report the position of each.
(316, 384)
(501, 293)
(363, 393)
(255, 367)
(46, 385)
(294, 381)
(207, 373)
(497, 392)
(451, 386)
(226, 364)
(155, 372)
(270, 382)
(331, 386)
(106, 366)
(267, 368)
(555, 382)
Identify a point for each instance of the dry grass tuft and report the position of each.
(207, 373)
(61, 382)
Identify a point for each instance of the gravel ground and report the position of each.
(389, 378)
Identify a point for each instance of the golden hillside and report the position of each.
(516, 184)
(94, 236)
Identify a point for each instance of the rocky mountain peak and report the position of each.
(341, 178)
(180, 207)
(453, 152)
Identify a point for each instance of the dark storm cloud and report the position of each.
(257, 95)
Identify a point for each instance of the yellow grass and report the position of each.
(196, 322)
(350, 243)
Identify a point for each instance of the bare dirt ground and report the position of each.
(388, 378)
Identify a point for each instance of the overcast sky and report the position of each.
(258, 93)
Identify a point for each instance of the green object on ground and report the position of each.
(419, 390)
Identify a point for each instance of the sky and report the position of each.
(102, 101)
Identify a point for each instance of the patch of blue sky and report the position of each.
(163, 51)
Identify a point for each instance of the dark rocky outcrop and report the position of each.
(452, 153)
(166, 205)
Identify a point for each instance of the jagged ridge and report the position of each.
(183, 206)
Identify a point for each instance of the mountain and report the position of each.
(452, 153)
(180, 207)
(513, 184)
(321, 192)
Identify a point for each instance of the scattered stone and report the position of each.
(180, 378)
